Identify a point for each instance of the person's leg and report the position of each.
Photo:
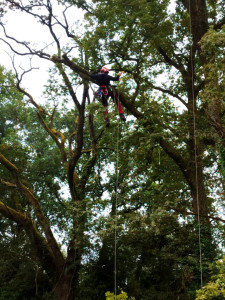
(105, 112)
(114, 96)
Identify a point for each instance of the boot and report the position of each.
(107, 123)
(122, 117)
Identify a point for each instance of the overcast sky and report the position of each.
(25, 28)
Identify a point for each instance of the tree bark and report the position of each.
(64, 289)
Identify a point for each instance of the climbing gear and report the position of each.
(104, 70)
(104, 89)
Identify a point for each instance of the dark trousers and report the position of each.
(106, 92)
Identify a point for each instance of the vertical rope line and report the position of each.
(195, 150)
(115, 231)
(115, 244)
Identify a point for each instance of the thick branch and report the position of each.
(41, 247)
(37, 208)
(7, 183)
(171, 62)
(53, 133)
(167, 147)
(84, 74)
(76, 154)
(68, 85)
(175, 155)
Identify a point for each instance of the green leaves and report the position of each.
(121, 296)
(150, 181)
(215, 288)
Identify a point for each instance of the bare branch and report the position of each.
(66, 26)
(50, 25)
(24, 44)
(19, 78)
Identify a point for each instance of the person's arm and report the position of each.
(113, 78)
(94, 76)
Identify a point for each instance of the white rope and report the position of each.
(195, 149)
(115, 232)
(115, 245)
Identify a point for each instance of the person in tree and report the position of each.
(106, 90)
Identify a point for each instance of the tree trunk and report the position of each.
(198, 192)
(64, 289)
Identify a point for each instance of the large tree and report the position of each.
(146, 41)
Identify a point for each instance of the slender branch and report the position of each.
(50, 26)
(194, 214)
(66, 26)
(169, 92)
(30, 51)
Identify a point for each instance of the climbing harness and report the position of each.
(104, 90)
(195, 154)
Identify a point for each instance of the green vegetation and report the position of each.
(63, 180)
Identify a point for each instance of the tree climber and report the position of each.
(106, 90)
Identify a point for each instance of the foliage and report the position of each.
(121, 296)
(215, 288)
(21, 276)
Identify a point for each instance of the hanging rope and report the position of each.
(195, 154)
(115, 243)
(116, 203)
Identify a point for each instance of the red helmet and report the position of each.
(104, 70)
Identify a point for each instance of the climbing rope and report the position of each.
(195, 154)
(116, 203)
(115, 231)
